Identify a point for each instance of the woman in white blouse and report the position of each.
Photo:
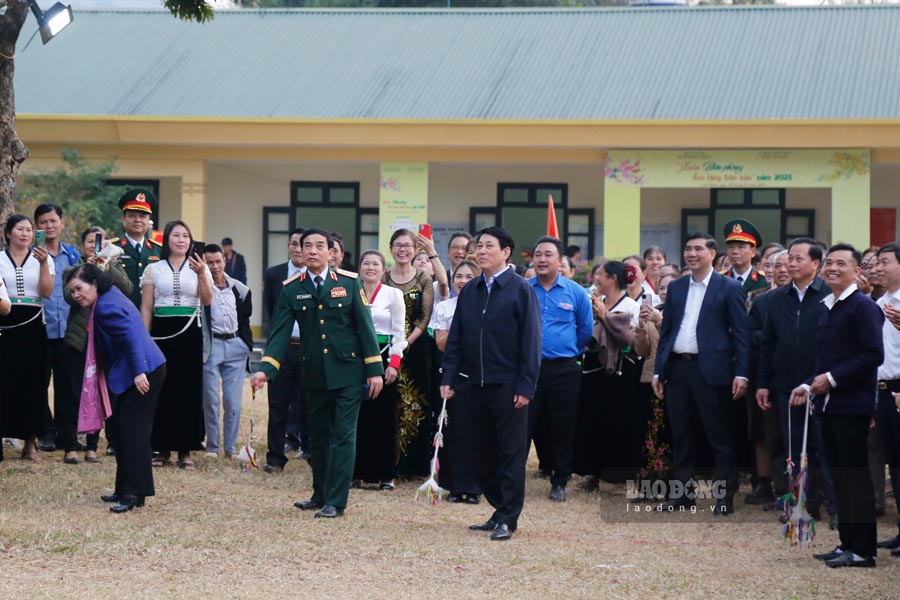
(27, 276)
(173, 291)
(376, 433)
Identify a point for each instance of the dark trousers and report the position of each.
(556, 404)
(333, 415)
(500, 431)
(889, 420)
(284, 391)
(65, 403)
(75, 360)
(846, 443)
(696, 406)
(134, 473)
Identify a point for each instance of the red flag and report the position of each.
(552, 229)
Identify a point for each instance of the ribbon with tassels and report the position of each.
(247, 456)
(430, 488)
(799, 527)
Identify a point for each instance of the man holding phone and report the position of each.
(49, 221)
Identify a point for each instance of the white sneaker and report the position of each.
(212, 455)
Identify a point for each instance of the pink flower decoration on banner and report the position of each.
(624, 172)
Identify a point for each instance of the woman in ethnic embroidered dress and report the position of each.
(173, 291)
(416, 410)
(376, 432)
(27, 276)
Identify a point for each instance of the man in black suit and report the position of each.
(702, 366)
(286, 410)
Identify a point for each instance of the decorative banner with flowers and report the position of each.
(403, 200)
(626, 172)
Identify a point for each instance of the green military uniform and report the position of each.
(135, 262)
(755, 282)
(338, 351)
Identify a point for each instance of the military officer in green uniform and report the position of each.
(743, 238)
(339, 353)
(139, 249)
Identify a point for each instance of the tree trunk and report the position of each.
(12, 151)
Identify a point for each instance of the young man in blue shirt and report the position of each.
(566, 326)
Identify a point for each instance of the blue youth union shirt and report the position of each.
(566, 318)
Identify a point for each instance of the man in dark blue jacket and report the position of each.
(702, 365)
(495, 343)
(849, 347)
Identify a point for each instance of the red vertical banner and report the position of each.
(882, 226)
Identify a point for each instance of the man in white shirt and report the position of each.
(702, 366)
(887, 269)
(227, 326)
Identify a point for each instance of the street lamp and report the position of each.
(53, 21)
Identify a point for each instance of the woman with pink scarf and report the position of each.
(122, 358)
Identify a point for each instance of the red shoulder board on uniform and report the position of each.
(124, 242)
(349, 274)
(754, 275)
(300, 276)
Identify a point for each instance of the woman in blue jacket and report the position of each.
(135, 370)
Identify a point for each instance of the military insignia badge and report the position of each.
(338, 292)
(737, 228)
(362, 294)
(152, 258)
(304, 296)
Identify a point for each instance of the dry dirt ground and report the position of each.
(220, 533)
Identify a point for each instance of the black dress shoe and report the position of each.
(72, 460)
(110, 498)
(488, 525)
(895, 552)
(723, 508)
(92, 459)
(501, 533)
(846, 559)
(454, 498)
(676, 504)
(309, 504)
(890, 544)
(558, 493)
(127, 503)
(829, 555)
(272, 468)
(110, 451)
(329, 512)
(473, 498)
(762, 494)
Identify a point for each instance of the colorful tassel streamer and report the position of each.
(247, 456)
(431, 488)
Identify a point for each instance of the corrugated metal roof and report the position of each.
(598, 64)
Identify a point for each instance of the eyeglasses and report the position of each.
(406, 246)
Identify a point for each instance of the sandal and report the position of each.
(187, 465)
(161, 459)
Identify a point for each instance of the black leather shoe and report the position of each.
(488, 525)
(890, 544)
(309, 504)
(272, 468)
(73, 460)
(329, 512)
(829, 555)
(895, 551)
(762, 494)
(501, 533)
(110, 451)
(676, 505)
(46, 444)
(453, 498)
(723, 508)
(110, 498)
(127, 503)
(846, 559)
(558, 493)
(473, 498)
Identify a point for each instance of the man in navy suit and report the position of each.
(702, 366)
(287, 415)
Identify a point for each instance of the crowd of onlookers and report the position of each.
(647, 370)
